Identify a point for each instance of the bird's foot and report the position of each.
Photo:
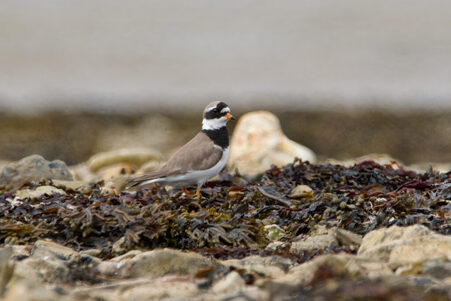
(185, 191)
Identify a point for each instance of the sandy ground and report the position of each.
(126, 55)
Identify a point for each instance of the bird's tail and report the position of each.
(142, 180)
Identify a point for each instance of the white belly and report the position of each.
(198, 177)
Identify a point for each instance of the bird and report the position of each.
(203, 157)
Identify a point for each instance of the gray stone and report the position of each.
(33, 168)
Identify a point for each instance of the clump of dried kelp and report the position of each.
(229, 220)
(365, 196)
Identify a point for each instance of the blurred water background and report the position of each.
(346, 77)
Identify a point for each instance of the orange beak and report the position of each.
(229, 116)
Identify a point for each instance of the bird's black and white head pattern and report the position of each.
(215, 116)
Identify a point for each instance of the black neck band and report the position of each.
(219, 136)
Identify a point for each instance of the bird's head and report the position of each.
(216, 116)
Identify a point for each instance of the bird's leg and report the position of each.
(185, 191)
(198, 191)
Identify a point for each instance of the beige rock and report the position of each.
(133, 156)
(301, 191)
(44, 248)
(28, 290)
(382, 159)
(154, 131)
(165, 287)
(347, 238)
(258, 142)
(423, 167)
(163, 262)
(38, 192)
(128, 255)
(233, 283)
(6, 267)
(74, 185)
(314, 242)
(149, 167)
(277, 246)
(323, 237)
(271, 266)
(400, 246)
(115, 170)
(82, 172)
(338, 264)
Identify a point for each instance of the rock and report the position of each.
(438, 268)
(149, 167)
(81, 172)
(270, 266)
(172, 288)
(277, 246)
(334, 266)
(119, 246)
(323, 238)
(54, 263)
(301, 191)
(127, 255)
(6, 267)
(38, 192)
(383, 159)
(74, 185)
(258, 142)
(163, 262)
(274, 232)
(313, 242)
(401, 246)
(114, 171)
(162, 288)
(153, 131)
(133, 156)
(233, 283)
(33, 168)
(29, 290)
(423, 167)
(347, 238)
(44, 249)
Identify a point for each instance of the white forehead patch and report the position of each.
(225, 110)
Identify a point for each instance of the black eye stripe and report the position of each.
(216, 112)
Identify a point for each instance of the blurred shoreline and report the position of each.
(414, 136)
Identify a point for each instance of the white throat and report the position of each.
(214, 124)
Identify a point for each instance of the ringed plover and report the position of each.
(201, 158)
